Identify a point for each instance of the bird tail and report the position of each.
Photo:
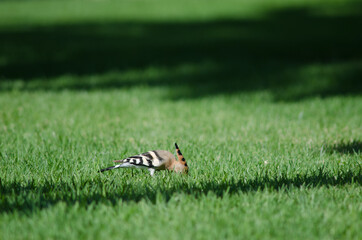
(113, 167)
(110, 168)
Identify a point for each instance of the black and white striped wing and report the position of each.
(149, 159)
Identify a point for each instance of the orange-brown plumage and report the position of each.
(154, 160)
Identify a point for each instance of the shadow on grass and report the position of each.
(345, 147)
(292, 53)
(29, 197)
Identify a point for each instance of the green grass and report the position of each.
(263, 98)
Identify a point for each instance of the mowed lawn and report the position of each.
(263, 98)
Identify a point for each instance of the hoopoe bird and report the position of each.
(154, 160)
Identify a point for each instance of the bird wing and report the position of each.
(150, 159)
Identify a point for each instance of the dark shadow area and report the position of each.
(345, 147)
(275, 53)
(30, 196)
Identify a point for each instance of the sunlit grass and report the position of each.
(254, 164)
(269, 120)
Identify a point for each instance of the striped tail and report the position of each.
(109, 168)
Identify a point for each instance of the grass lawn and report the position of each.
(263, 98)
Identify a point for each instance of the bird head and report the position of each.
(181, 165)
